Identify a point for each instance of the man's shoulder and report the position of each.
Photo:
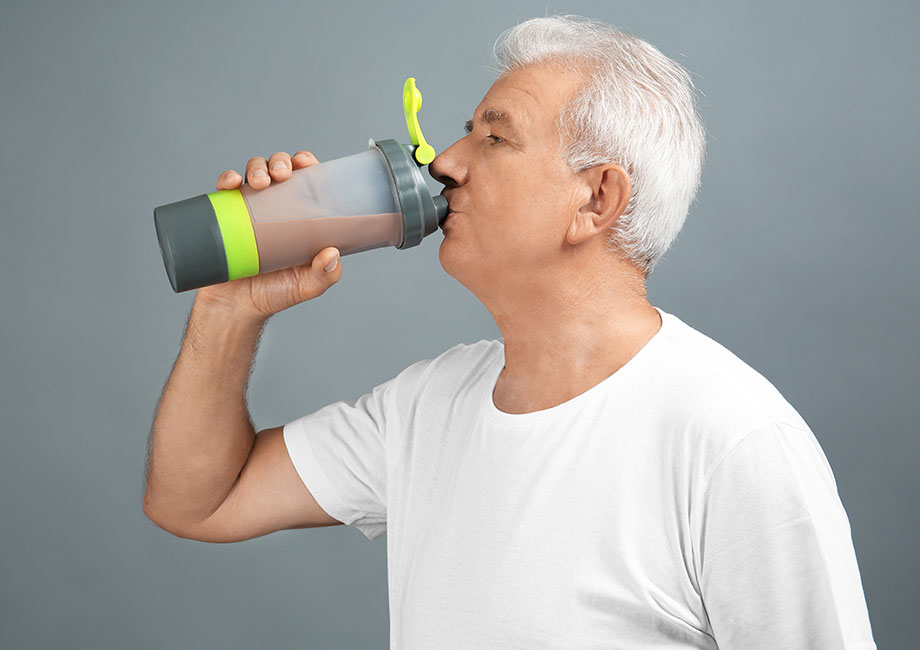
(446, 376)
(459, 360)
(467, 358)
(468, 353)
(728, 395)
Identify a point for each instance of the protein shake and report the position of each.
(367, 200)
(283, 244)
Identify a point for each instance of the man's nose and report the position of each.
(445, 169)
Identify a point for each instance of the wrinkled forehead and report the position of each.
(529, 98)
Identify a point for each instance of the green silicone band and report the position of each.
(237, 233)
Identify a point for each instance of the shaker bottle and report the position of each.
(367, 200)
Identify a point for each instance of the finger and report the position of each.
(229, 180)
(257, 173)
(303, 159)
(279, 166)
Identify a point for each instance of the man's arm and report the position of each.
(209, 476)
(202, 433)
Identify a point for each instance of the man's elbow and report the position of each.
(162, 521)
(198, 531)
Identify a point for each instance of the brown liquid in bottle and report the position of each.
(283, 244)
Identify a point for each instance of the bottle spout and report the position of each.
(440, 208)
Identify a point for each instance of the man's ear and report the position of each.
(608, 189)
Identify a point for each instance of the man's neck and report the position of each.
(560, 349)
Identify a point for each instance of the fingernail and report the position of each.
(259, 173)
(331, 265)
(279, 165)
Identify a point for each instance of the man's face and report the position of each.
(512, 195)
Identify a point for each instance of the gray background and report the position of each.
(798, 256)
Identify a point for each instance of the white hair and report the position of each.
(636, 109)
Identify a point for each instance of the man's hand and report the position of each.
(260, 296)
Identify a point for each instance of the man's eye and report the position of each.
(494, 138)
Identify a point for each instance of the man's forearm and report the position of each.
(202, 433)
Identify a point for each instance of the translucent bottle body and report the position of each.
(348, 203)
(356, 203)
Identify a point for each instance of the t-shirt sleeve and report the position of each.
(773, 549)
(340, 451)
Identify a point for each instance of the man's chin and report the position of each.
(448, 254)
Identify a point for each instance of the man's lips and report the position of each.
(449, 215)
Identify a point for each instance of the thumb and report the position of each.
(312, 279)
(327, 263)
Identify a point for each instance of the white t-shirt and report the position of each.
(681, 502)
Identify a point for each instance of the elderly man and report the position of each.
(603, 476)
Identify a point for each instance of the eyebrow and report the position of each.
(493, 116)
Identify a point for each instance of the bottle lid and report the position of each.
(422, 212)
